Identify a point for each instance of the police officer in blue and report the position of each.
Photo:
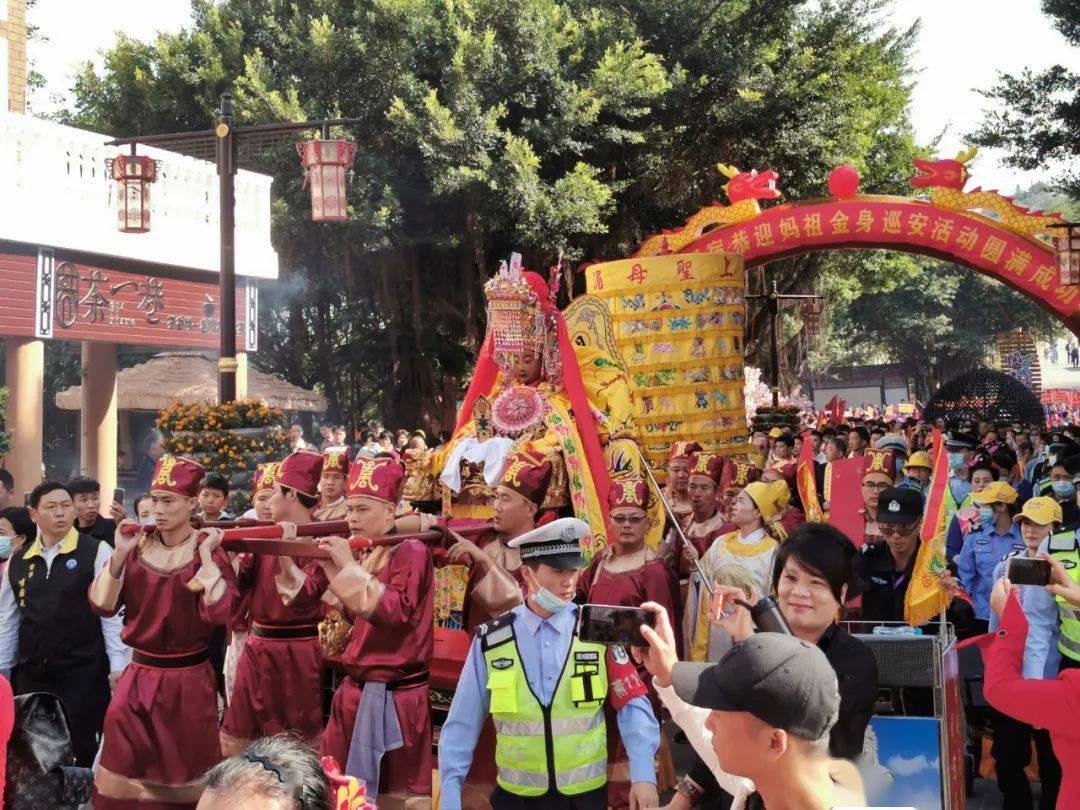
(986, 545)
(1012, 738)
(960, 447)
(546, 690)
(1062, 473)
(1058, 445)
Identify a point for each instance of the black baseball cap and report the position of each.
(781, 680)
(1065, 454)
(899, 505)
(1070, 461)
(961, 440)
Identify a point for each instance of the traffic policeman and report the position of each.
(1059, 447)
(960, 448)
(1064, 544)
(546, 689)
(1063, 473)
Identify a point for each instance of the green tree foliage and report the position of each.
(491, 125)
(933, 318)
(1035, 116)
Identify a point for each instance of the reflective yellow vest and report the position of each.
(1063, 546)
(561, 747)
(952, 506)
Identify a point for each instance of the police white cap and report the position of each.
(557, 543)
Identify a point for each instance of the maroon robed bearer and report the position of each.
(161, 727)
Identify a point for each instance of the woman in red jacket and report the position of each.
(1050, 704)
(7, 721)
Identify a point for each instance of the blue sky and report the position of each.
(962, 45)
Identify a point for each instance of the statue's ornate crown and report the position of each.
(515, 318)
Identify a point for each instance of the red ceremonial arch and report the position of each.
(949, 226)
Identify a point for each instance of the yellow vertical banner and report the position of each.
(925, 598)
(679, 324)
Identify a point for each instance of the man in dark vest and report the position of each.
(49, 636)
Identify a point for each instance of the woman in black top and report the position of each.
(813, 576)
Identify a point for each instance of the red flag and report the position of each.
(843, 491)
(836, 408)
(807, 482)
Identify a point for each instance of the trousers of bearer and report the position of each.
(546, 689)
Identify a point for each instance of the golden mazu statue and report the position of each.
(563, 383)
(525, 392)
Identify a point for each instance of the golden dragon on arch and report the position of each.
(744, 189)
(946, 180)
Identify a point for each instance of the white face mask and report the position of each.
(548, 601)
(5, 546)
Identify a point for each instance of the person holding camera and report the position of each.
(813, 576)
(1012, 738)
(545, 689)
(1050, 704)
(760, 718)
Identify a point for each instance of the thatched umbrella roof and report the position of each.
(192, 377)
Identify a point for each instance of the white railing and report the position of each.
(55, 191)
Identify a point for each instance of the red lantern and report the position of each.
(324, 164)
(1068, 250)
(812, 310)
(133, 175)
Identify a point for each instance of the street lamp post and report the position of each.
(227, 139)
(774, 301)
(226, 168)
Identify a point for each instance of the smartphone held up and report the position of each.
(1028, 571)
(613, 624)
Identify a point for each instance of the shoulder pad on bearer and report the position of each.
(496, 631)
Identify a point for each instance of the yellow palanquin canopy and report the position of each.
(678, 325)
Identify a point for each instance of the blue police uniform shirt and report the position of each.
(982, 551)
(543, 645)
(1041, 655)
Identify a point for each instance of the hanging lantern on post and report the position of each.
(133, 175)
(1068, 251)
(812, 310)
(324, 163)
